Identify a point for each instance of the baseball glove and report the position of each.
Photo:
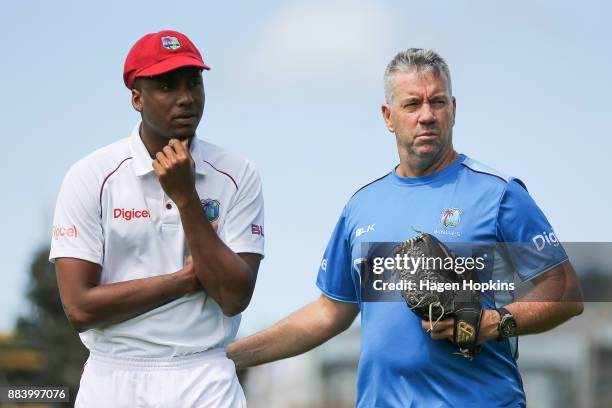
(425, 297)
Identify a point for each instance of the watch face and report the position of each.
(508, 327)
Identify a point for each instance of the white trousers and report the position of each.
(203, 380)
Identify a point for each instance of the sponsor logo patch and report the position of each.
(257, 230)
(545, 238)
(61, 231)
(130, 214)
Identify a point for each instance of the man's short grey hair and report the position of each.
(415, 59)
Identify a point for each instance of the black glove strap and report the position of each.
(467, 327)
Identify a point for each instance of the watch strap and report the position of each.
(502, 313)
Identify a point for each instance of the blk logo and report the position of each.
(360, 231)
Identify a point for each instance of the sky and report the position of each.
(296, 86)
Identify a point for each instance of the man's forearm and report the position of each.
(120, 301)
(288, 338)
(556, 298)
(302, 331)
(538, 317)
(225, 276)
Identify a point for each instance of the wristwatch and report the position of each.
(507, 325)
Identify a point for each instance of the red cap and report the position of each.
(158, 53)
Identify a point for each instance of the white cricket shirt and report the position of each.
(111, 210)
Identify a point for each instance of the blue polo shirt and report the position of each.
(400, 365)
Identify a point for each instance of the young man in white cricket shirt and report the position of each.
(157, 241)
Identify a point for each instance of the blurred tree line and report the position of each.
(44, 330)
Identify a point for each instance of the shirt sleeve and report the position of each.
(334, 278)
(77, 226)
(243, 230)
(528, 237)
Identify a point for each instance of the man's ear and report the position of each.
(454, 109)
(137, 99)
(386, 112)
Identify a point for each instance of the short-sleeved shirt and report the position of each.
(111, 210)
(400, 365)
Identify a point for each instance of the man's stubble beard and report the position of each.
(422, 161)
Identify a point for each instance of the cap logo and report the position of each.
(170, 43)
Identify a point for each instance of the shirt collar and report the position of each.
(142, 159)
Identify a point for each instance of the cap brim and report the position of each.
(171, 64)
